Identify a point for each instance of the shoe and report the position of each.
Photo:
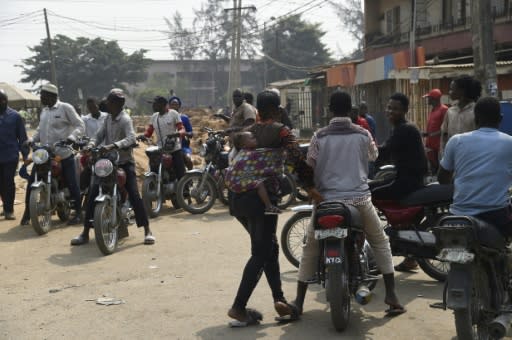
(9, 216)
(287, 312)
(74, 220)
(25, 221)
(80, 240)
(407, 265)
(2, 213)
(149, 239)
(272, 210)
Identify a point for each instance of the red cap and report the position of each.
(434, 93)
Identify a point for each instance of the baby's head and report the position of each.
(244, 140)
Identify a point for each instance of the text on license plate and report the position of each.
(334, 232)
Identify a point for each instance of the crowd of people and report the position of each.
(463, 144)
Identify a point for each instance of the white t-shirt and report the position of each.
(165, 125)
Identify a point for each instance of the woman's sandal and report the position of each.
(287, 312)
(394, 310)
(272, 210)
(252, 317)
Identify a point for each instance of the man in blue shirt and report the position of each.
(480, 162)
(12, 136)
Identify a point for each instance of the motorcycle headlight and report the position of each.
(103, 168)
(202, 150)
(40, 156)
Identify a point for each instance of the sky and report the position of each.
(134, 24)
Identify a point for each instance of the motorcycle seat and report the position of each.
(487, 234)
(433, 193)
(338, 207)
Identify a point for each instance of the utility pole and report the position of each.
(483, 46)
(53, 72)
(234, 63)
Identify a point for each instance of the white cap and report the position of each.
(276, 91)
(49, 87)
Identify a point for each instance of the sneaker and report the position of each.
(9, 216)
(80, 240)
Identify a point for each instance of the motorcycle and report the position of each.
(160, 182)
(112, 211)
(299, 192)
(409, 224)
(49, 192)
(345, 267)
(199, 188)
(478, 286)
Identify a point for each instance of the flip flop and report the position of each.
(287, 312)
(253, 317)
(149, 239)
(395, 310)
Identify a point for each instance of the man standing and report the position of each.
(117, 133)
(59, 121)
(165, 122)
(345, 178)
(480, 162)
(12, 136)
(363, 112)
(95, 119)
(243, 115)
(434, 122)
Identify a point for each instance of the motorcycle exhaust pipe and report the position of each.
(500, 326)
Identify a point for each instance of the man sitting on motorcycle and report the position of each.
(404, 149)
(165, 122)
(344, 177)
(117, 133)
(480, 163)
(59, 121)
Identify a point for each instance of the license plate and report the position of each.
(457, 255)
(334, 232)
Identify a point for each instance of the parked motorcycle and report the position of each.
(409, 224)
(344, 268)
(199, 188)
(112, 211)
(49, 192)
(160, 182)
(478, 286)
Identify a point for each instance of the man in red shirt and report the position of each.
(433, 134)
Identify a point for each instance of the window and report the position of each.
(393, 20)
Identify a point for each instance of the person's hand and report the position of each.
(424, 134)
(141, 138)
(108, 147)
(315, 196)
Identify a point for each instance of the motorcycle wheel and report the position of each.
(470, 323)
(40, 216)
(285, 201)
(338, 294)
(105, 231)
(191, 198)
(152, 202)
(63, 211)
(293, 236)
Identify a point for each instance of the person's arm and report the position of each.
(373, 151)
(21, 135)
(444, 176)
(223, 117)
(249, 115)
(129, 133)
(76, 122)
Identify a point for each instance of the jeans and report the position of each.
(7, 188)
(264, 255)
(400, 188)
(141, 217)
(69, 173)
(500, 218)
(374, 234)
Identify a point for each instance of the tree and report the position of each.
(183, 42)
(93, 65)
(292, 46)
(350, 13)
(160, 84)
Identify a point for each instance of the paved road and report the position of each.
(180, 288)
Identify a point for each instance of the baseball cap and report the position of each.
(50, 88)
(434, 93)
(116, 93)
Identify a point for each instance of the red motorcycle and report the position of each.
(409, 224)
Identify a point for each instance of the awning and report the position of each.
(341, 75)
(20, 99)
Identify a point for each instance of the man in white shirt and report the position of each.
(95, 119)
(165, 122)
(59, 121)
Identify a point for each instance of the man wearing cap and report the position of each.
(165, 122)
(117, 133)
(12, 137)
(434, 122)
(59, 121)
